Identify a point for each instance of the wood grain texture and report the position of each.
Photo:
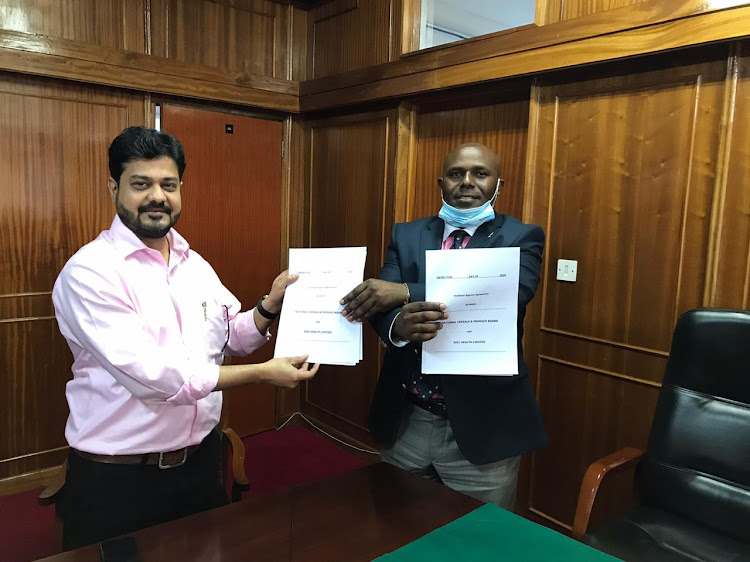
(588, 416)
(642, 14)
(732, 268)
(350, 205)
(118, 24)
(53, 200)
(347, 35)
(622, 172)
(350, 517)
(410, 20)
(231, 215)
(296, 139)
(501, 126)
(634, 163)
(631, 31)
(406, 148)
(62, 58)
(561, 10)
(299, 31)
(247, 36)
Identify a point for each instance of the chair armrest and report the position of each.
(52, 493)
(238, 456)
(595, 473)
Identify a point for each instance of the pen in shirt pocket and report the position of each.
(205, 314)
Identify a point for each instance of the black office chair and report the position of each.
(693, 480)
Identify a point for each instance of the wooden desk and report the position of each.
(358, 515)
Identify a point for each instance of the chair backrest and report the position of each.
(698, 459)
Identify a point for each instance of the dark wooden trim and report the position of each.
(29, 480)
(340, 424)
(302, 4)
(643, 14)
(645, 28)
(61, 58)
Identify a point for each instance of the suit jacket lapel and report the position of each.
(432, 239)
(485, 232)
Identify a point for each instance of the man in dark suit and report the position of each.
(466, 431)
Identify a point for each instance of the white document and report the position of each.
(311, 321)
(480, 290)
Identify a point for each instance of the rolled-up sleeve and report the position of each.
(244, 335)
(198, 386)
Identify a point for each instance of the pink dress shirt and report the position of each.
(147, 342)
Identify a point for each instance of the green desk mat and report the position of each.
(492, 533)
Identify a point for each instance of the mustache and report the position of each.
(155, 207)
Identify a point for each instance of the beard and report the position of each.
(148, 228)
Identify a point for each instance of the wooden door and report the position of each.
(231, 197)
(350, 209)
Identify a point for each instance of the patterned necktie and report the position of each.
(458, 239)
(427, 387)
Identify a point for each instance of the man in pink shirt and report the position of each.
(149, 323)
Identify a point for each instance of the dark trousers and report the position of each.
(102, 501)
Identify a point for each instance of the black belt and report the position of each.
(170, 459)
(436, 407)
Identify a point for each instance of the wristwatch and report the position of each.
(263, 312)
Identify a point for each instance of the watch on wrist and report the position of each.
(263, 312)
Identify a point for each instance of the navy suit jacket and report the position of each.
(492, 417)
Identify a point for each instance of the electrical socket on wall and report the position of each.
(567, 270)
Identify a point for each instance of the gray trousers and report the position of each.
(426, 446)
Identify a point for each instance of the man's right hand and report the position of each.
(373, 296)
(288, 372)
(419, 321)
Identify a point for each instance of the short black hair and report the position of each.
(136, 143)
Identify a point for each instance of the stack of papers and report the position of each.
(311, 322)
(479, 288)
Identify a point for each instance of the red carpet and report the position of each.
(27, 530)
(292, 456)
(274, 460)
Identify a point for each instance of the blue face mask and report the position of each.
(465, 218)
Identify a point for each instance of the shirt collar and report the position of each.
(449, 228)
(126, 242)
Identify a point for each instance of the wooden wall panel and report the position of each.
(648, 27)
(119, 24)
(349, 35)
(247, 36)
(588, 416)
(53, 200)
(732, 267)
(350, 205)
(501, 126)
(628, 172)
(294, 195)
(561, 10)
(622, 174)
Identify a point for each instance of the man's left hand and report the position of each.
(272, 303)
(371, 297)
